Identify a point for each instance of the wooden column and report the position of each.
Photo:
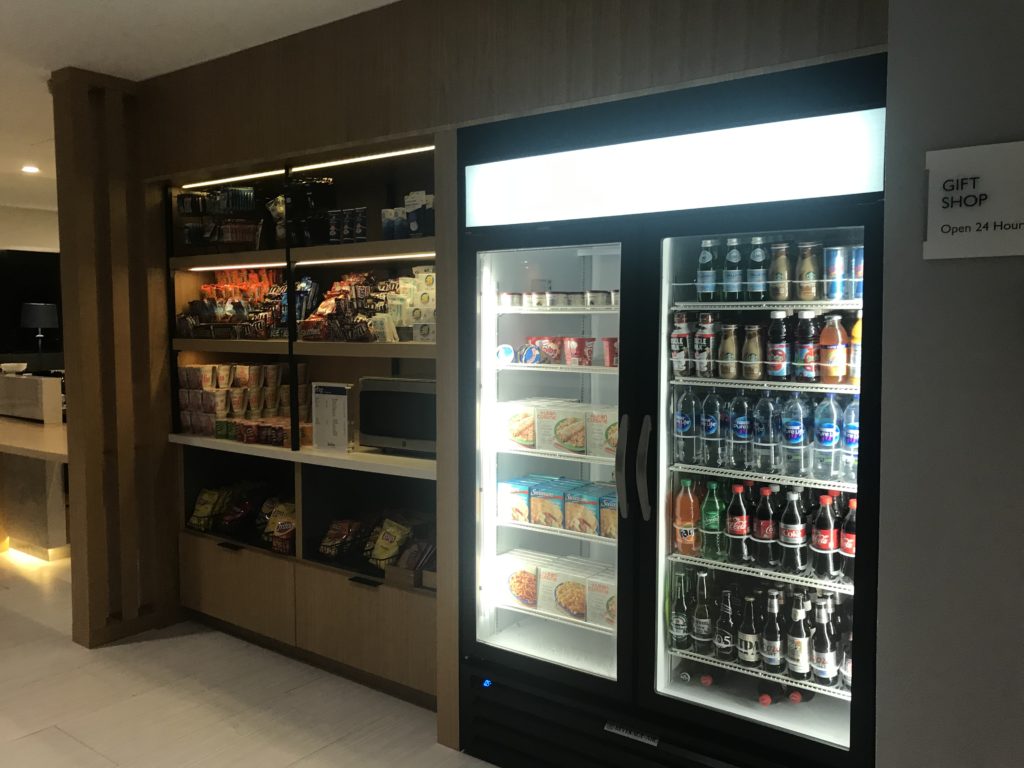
(123, 542)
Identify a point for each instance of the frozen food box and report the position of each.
(602, 430)
(547, 505)
(609, 514)
(582, 509)
(518, 424)
(602, 598)
(562, 427)
(562, 589)
(516, 575)
(514, 499)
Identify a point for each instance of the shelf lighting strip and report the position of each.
(362, 158)
(268, 265)
(230, 179)
(361, 259)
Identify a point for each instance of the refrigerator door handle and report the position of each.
(642, 447)
(620, 460)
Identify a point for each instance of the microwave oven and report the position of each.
(398, 414)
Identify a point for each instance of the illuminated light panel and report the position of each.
(361, 259)
(29, 169)
(231, 179)
(223, 267)
(362, 159)
(840, 154)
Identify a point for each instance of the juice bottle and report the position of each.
(778, 348)
(856, 332)
(832, 345)
(805, 350)
(685, 519)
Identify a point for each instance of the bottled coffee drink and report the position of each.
(779, 273)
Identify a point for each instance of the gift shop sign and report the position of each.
(975, 201)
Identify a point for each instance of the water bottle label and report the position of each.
(723, 640)
(710, 424)
(705, 257)
(851, 435)
(683, 423)
(702, 628)
(765, 530)
(678, 626)
(826, 434)
(798, 655)
(706, 280)
(733, 256)
(825, 540)
(733, 280)
(741, 428)
(824, 664)
(739, 525)
(793, 432)
(805, 360)
(792, 535)
(746, 647)
(758, 255)
(848, 545)
(778, 360)
(757, 278)
(771, 651)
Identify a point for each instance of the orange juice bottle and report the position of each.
(833, 345)
(685, 519)
(856, 334)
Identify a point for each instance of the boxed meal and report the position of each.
(514, 499)
(516, 575)
(582, 509)
(602, 598)
(547, 505)
(609, 514)
(518, 423)
(562, 589)
(561, 427)
(602, 430)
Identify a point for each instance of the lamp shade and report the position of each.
(39, 315)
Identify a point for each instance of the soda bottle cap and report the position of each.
(737, 488)
(853, 504)
(778, 314)
(706, 680)
(687, 482)
(833, 494)
(712, 484)
(805, 314)
(764, 700)
(766, 491)
(825, 500)
(795, 696)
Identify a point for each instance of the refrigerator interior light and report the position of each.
(824, 156)
(231, 179)
(363, 158)
(425, 255)
(268, 265)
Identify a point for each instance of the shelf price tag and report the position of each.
(975, 201)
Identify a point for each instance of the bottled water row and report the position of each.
(771, 434)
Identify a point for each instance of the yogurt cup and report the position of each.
(579, 350)
(550, 348)
(610, 345)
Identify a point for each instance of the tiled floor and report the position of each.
(183, 696)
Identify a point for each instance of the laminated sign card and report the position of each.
(975, 201)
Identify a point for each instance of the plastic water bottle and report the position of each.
(795, 437)
(741, 432)
(766, 453)
(827, 426)
(851, 439)
(712, 414)
(687, 427)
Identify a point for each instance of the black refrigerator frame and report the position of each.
(572, 715)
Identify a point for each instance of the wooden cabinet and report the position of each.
(388, 632)
(240, 585)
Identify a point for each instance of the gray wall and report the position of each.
(950, 627)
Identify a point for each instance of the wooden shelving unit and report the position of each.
(407, 349)
(232, 346)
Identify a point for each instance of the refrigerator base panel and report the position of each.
(573, 648)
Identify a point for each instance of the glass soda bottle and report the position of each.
(752, 364)
(737, 521)
(747, 636)
(685, 519)
(712, 544)
(679, 616)
(798, 644)
(825, 541)
(709, 268)
(686, 427)
(725, 629)
(773, 636)
(824, 649)
(700, 628)
(808, 272)
(792, 537)
(848, 542)
(765, 531)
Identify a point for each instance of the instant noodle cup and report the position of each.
(284, 397)
(255, 400)
(579, 350)
(271, 397)
(183, 377)
(237, 397)
(220, 403)
(550, 348)
(272, 375)
(192, 377)
(206, 376)
(610, 345)
(224, 375)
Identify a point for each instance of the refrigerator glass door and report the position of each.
(547, 433)
(740, 401)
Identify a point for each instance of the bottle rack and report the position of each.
(764, 573)
(757, 477)
(759, 384)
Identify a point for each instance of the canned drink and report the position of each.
(835, 272)
(855, 270)
(705, 346)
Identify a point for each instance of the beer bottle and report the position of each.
(792, 537)
(835, 614)
(679, 617)
(847, 669)
(764, 533)
(769, 692)
(747, 637)
(737, 519)
(773, 636)
(825, 542)
(848, 541)
(725, 629)
(823, 656)
(798, 650)
(703, 635)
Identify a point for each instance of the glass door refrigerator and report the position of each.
(670, 351)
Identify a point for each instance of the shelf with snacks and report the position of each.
(366, 251)
(586, 538)
(587, 370)
(212, 262)
(764, 573)
(402, 349)
(781, 386)
(548, 617)
(544, 454)
(232, 346)
(758, 477)
(807, 685)
(818, 306)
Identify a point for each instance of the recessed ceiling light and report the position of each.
(29, 169)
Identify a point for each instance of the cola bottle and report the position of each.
(747, 636)
(764, 531)
(700, 629)
(688, 671)
(769, 692)
(824, 663)
(679, 617)
(798, 644)
(825, 542)
(798, 695)
(725, 629)
(773, 636)
(737, 530)
(792, 537)
(848, 542)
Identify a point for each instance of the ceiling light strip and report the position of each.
(362, 259)
(362, 159)
(227, 267)
(230, 179)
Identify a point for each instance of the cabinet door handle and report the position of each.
(230, 546)
(642, 447)
(620, 460)
(365, 581)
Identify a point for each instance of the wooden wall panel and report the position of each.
(421, 65)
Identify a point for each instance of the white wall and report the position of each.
(28, 229)
(950, 626)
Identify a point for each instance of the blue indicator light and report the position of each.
(487, 683)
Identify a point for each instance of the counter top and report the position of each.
(48, 442)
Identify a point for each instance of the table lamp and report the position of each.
(39, 316)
